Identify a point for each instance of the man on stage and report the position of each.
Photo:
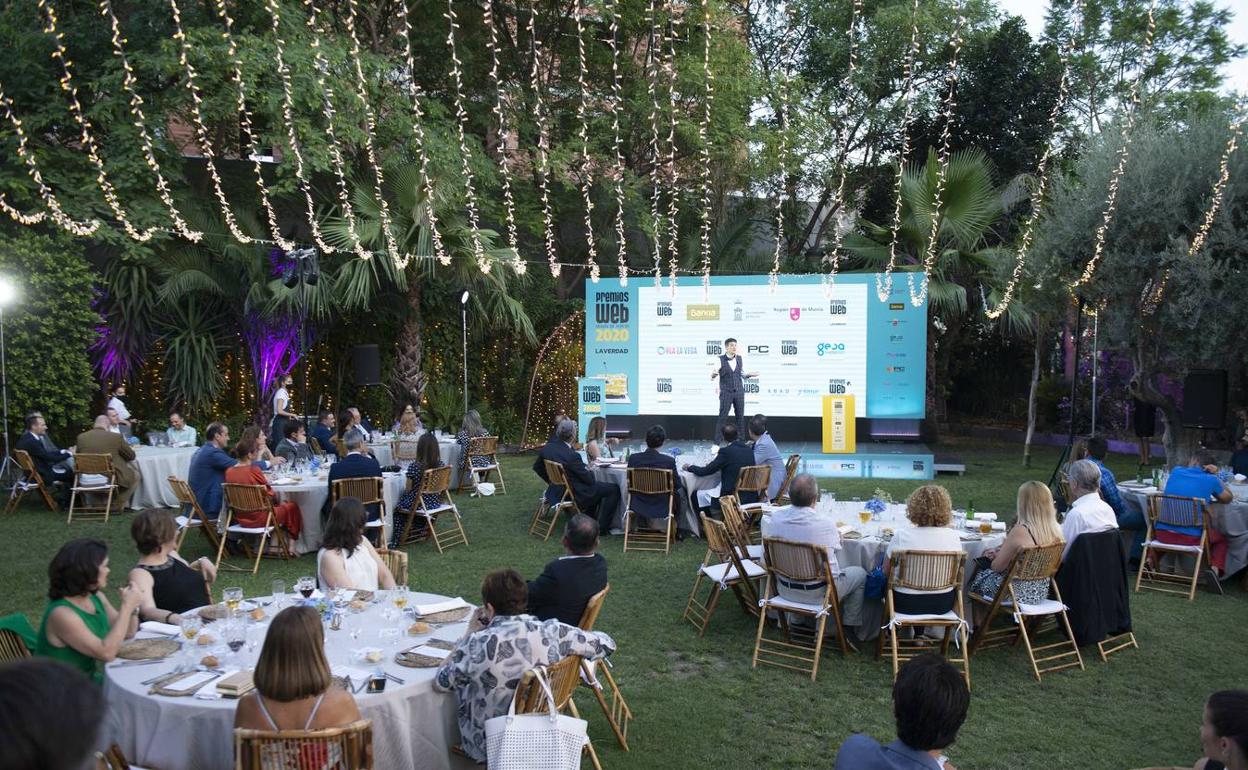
(731, 386)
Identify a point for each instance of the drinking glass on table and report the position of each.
(864, 516)
(279, 592)
(190, 625)
(235, 634)
(985, 527)
(233, 597)
(389, 636)
(398, 595)
(306, 586)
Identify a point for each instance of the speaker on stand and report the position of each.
(366, 364)
(1204, 400)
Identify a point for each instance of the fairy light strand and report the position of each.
(66, 81)
(586, 181)
(335, 152)
(500, 114)
(773, 278)
(917, 298)
(654, 51)
(1124, 153)
(543, 144)
(418, 130)
(50, 202)
(832, 257)
(292, 135)
(617, 170)
(461, 127)
(672, 173)
(130, 85)
(1042, 175)
(704, 141)
(884, 283)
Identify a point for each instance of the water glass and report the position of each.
(279, 592)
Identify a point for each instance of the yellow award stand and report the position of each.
(838, 425)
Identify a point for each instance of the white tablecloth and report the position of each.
(686, 517)
(156, 464)
(413, 726)
(383, 452)
(312, 492)
(1231, 519)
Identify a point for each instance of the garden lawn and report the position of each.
(696, 701)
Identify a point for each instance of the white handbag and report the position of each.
(549, 741)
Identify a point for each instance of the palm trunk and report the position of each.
(1031, 397)
(408, 380)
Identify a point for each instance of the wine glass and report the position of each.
(233, 598)
(305, 586)
(235, 634)
(190, 625)
(399, 596)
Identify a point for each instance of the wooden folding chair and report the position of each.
(340, 446)
(93, 475)
(336, 747)
(437, 481)
(403, 451)
(113, 759)
(738, 527)
(396, 562)
(614, 708)
(486, 447)
(754, 478)
(563, 678)
(368, 490)
(546, 515)
(1170, 511)
(808, 564)
(12, 647)
(30, 481)
(316, 447)
(192, 516)
(1038, 563)
(653, 482)
(790, 470)
(723, 568)
(249, 498)
(925, 571)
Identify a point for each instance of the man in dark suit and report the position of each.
(732, 457)
(324, 433)
(591, 495)
(566, 585)
(100, 440)
(356, 465)
(731, 376)
(51, 464)
(655, 506)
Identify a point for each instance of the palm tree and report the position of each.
(360, 284)
(969, 264)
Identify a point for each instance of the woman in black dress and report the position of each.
(1144, 421)
(168, 584)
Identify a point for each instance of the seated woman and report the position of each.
(500, 644)
(929, 509)
(80, 626)
(294, 689)
(346, 558)
(596, 442)
(287, 514)
(407, 427)
(264, 457)
(1036, 525)
(428, 456)
(168, 584)
(469, 429)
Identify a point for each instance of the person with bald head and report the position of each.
(100, 440)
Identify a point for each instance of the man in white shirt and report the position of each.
(1088, 512)
(801, 523)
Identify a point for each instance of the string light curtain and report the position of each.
(704, 140)
(1124, 152)
(617, 170)
(586, 164)
(784, 57)
(884, 283)
(673, 175)
(832, 257)
(654, 51)
(418, 130)
(543, 143)
(461, 128)
(500, 114)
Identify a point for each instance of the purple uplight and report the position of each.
(114, 358)
(273, 344)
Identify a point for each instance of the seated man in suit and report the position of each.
(324, 433)
(356, 465)
(591, 495)
(51, 464)
(732, 457)
(179, 433)
(100, 440)
(293, 446)
(566, 585)
(655, 506)
(766, 453)
(207, 471)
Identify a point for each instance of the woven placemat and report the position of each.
(412, 660)
(147, 649)
(450, 616)
(363, 596)
(214, 612)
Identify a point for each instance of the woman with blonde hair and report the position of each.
(596, 441)
(1035, 525)
(407, 427)
(930, 511)
(294, 689)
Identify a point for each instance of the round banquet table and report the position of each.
(311, 493)
(383, 452)
(686, 517)
(413, 726)
(862, 552)
(1231, 519)
(156, 464)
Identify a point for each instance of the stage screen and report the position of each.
(655, 351)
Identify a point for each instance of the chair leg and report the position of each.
(618, 717)
(892, 638)
(1191, 593)
(758, 636)
(1031, 656)
(820, 625)
(255, 567)
(502, 485)
(589, 745)
(221, 541)
(1144, 566)
(627, 532)
(73, 500)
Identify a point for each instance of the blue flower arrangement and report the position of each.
(876, 505)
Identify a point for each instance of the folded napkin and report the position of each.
(1240, 478)
(436, 653)
(357, 676)
(981, 515)
(283, 482)
(163, 629)
(845, 528)
(210, 691)
(445, 606)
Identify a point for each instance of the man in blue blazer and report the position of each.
(655, 506)
(591, 495)
(207, 470)
(732, 457)
(767, 453)
(567, 584)
(356, 465)
(324, 433)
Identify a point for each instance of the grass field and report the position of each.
(696, 701)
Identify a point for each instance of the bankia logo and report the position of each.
(714, 347)
(663, 385)
(663, 309)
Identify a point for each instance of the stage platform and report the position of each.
(871, 461)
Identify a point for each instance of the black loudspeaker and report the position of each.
(366, 364)
(1204, 399)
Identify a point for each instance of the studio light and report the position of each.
(8, 291)
(8, 295)
(463, 296)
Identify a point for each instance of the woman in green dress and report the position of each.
(80, 626)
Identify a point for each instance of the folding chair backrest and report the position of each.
(735, 522)
(592, 608)
(340, 446)
(754, 478)
(798, 562)
(396, 562)
(928, 570)
(435, 481)
(22, 458)
(717, 538)
(315, 445)
(247, 497)
(12, 647)
(351, 746)
(366, 489)
(98, 464)
(483, 446)
(555, 474)
(1063, 486)
(790, 470)
(650, 481)
(1039, 562)
(404, 451)
(1177, 511)
(563, 678)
